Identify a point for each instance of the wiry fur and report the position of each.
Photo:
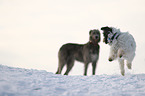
(122, 48)
(86, 53)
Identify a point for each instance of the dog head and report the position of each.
(106, 31)
(94, 36)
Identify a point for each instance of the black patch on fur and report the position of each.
(106, 30)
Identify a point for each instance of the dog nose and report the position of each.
(96, 37)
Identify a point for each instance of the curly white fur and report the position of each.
(122, 48)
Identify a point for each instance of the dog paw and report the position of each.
(85, 74)
(120, 56)
(110, 59)
(129, 66)
(123, 73)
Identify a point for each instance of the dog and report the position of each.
(85, 53)
(123, 46)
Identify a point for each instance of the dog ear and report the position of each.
(106, 29)
(90, 32)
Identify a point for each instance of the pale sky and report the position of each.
(32, 31)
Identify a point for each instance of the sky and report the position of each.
(32, 31)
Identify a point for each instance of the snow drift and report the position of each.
(24, 82)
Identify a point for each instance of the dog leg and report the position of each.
(69, 65)
(121, 62)
(57, 71)
(94, 68)
(129, 64)
(112, 55)
(120, 53)
(86, 67)
(129, 60)
(60, 67)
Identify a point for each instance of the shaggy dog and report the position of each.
(122, 44)
(86, 53)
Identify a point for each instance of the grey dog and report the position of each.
(86, 53)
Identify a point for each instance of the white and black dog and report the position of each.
(122, 44)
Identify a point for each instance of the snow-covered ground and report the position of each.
(24, 82)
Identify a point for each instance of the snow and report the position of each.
(26, 82)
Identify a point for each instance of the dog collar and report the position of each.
(112, 37)
(95, 44)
